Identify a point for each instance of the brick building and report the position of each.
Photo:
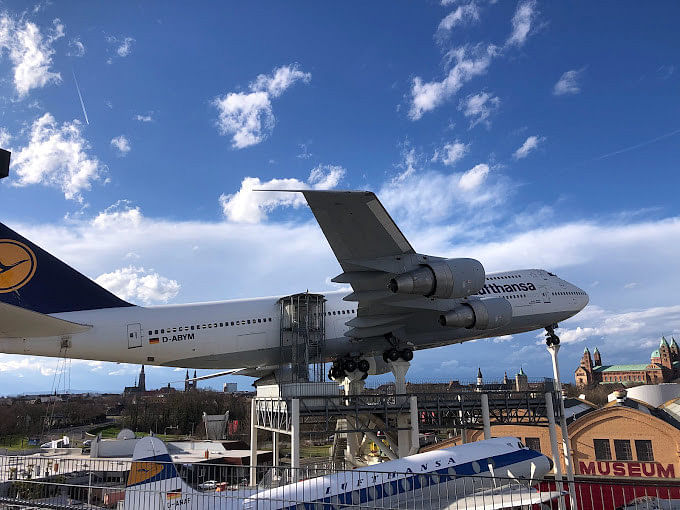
(624, 440)
(664, 366)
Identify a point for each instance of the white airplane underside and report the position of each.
(401, 301)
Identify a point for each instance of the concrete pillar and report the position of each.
(399, 369)
(486, 420)
(253, 442)
(553, 350)
(295, 435)
(552, 429)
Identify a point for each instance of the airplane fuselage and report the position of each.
(246, 332)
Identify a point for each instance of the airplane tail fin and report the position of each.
(33, 279)
(153, 481)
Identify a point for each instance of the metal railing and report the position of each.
(64, 482)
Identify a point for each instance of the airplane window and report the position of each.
(238, 323)
(259, 320)
(179, 329)
(174, 330)
(131, 335)
(156, 332)
(232, 323)
(343, 312)
(221, 325)
(248, 321)
(192, 328)
(162, 331)
(210, 325)
(203, 326)
(150, 332)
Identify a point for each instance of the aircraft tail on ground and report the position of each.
(33, 279)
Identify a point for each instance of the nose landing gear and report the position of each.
(551, 337)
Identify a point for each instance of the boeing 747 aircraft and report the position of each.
(401, 301)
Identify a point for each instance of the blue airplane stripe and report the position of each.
(414, 482)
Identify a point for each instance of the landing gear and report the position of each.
(395, 354)
(345, 366)
(551, 337)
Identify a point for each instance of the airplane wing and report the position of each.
(370, 249)
(505, 496)
(356, 225)
(16, 322)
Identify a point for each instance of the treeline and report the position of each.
(30, 419)
(182, 412)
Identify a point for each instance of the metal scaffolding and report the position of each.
(302, 338)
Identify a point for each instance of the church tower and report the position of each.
(665, 354)
(521, 381)
(597, 358)
(675, 350)
(141, 384)
(586, 360)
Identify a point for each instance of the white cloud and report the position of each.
(57, 156)
(122, 144)
(639, 328)
(137, 284)
(630, 285)
(30, 52)
(248, 206)
(121, 46)
(78, 48)
(469, 62)
(568, 83)
(144, 118)
(521, 22)
(474, 177)
(248, 117)
(428, 197)
(451, 153)
(479, 107)
(120, 215)
(529, 145)
(125, 47)
(5, 138)
(463, 14)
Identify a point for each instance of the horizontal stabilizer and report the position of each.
(16, 322)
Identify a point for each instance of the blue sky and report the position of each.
(525, 134)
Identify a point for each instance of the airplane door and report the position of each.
(134, 335)
(546, 294)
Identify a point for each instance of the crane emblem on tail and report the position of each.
(17, 265)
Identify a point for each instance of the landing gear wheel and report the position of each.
(551, 337)
(335, 373)
(363, 365)
(393, 354)
(349, 365)
(407, 354)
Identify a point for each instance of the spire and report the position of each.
(673, 342)
(479, 372)
(586, 351)
(521, 371)
(663, 342)
(596, 350)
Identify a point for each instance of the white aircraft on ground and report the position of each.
(401, 301)
(485, 475)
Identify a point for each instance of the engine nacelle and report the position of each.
(487, 313)
(452, 278)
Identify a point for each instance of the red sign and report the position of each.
(627, 469)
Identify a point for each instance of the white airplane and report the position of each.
(401, 301)
(486, 475)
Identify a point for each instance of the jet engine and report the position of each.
(487, 313)
(451, 278)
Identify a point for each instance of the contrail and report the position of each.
(637, 146)
(81, 98)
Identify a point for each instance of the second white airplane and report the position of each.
(401, 301)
